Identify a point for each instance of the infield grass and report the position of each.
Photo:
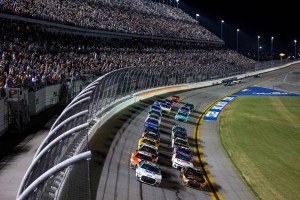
(261, 136)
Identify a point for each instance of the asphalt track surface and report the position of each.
(112, 178)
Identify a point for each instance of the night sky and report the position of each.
(282, 21)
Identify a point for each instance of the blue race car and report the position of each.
(170, 102)
(189, 106)
(184, 110)
(154, 107)
(151, 123)
(159, 102)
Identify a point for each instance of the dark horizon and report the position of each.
(252, 19)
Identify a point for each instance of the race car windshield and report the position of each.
(154, 117)
(151, 129)
(151, 168)
(153, 121)
(182, 157)
(193, 172)
(165, 105)
(149, 142)
(179, 128)
(156, 107)
(181, 141)
(151, 135)
(184, 150)
(182, 114)
(184, 109)
(156, 112)
(180, 134)
(149, 150)
(188, 105)
(169, 101)
(143, 157)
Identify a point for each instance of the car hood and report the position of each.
(183, 162)
(148, 173)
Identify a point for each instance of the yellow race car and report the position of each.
(192, 177)
(148, 141)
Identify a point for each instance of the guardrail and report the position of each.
(54, 172)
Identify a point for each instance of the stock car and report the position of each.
(165, 108)
(189, 106)
(150, 149)
(148, 172)
(151, 123)
(192, 177)
(170, 102)
(175, 98)
(177, 128)
(184, 110)
(159, 102)
(179, 133)
(155, 112)
(149, 141)
(155, 107)
(182, 116)
(178, 141)
(152, 133)
(180, 160)
(184, 150)
(138, 156)
(154, 116)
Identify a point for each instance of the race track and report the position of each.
(112, 145)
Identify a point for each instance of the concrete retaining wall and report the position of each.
(43, 98)
(4, 117)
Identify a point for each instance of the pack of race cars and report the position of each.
(144, 159)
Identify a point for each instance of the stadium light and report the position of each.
(272, 38)
(197, 15)
(295, 41)
(177, 2)
(258, 47)
(222, 22)
(237, 39)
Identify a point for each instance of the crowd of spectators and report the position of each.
(141, 17)
(31, 54)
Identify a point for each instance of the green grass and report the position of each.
(261, 135)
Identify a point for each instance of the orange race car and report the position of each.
(137, 156)
(175, 98)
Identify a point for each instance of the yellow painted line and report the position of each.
(163, 89)
(213, 189)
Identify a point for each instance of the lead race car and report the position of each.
(148, 172)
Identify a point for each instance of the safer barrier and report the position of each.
(99, 101)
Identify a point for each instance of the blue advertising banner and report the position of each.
(214, 111)
(260, 91)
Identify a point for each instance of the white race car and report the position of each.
(165, 108)
(150, 149)
(148, 172)
(180, 160)
(153, 116)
